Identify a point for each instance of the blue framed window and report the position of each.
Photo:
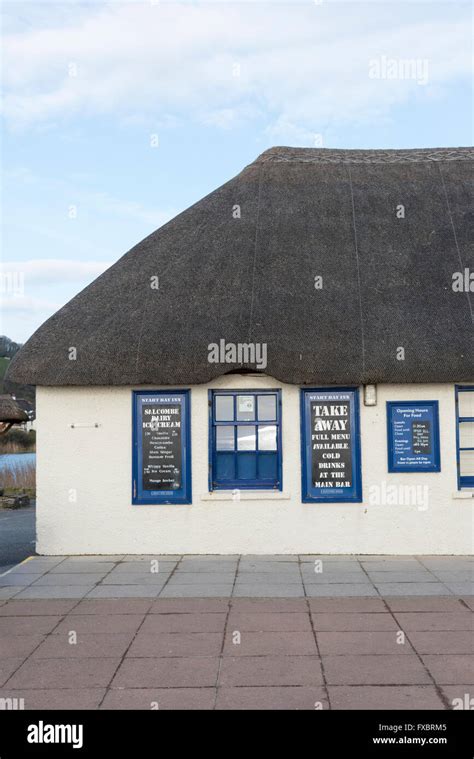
(161, 462)
(330, 445)
(465, 435)
(245, 439)
(413, 436)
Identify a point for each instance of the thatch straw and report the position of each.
(240, 265)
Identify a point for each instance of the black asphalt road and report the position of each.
(17, 536)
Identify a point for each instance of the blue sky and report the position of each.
(88, 87)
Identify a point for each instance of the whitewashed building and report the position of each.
(285, 367)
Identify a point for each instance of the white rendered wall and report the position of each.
(93, 466)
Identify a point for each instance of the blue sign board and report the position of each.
(413, 436)
(330, 446)
(161, 447)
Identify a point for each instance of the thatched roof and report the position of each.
(10, 411)
(304, 213)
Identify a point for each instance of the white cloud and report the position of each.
(304, 66)
(23, 305)
(48, 271)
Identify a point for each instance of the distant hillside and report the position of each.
(8, 348)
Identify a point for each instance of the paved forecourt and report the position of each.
(237, 633)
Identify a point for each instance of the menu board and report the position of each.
(161, 446)
(413, 436)
(331, 446)
(161, 464)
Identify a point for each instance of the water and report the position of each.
(13, 460)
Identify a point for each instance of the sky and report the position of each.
(116, 116)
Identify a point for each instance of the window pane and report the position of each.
(466, 403)
(267, 438)
(266, 408)
(224, 438)
(246, 438)
(467, 463)
(245, 408)
(224, 408)
(466, 435)
(247, 466)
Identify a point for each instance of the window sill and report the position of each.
(462, 494)
(246, 495)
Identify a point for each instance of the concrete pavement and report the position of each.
(292, 653)
(239, 577)
(184, 632)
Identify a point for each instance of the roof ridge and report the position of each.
(339, 155)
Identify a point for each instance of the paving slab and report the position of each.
(262, 643)
(149, 557)
(195, 590)
(356, 621)
(336, 578)
(459, 697)
(87, 645)
(271, 670)
(387, 669)
(124, 591)
(388, 589)
(357, 604)
(189, 605)
(68, 580)
(392, 697)
(161, 698)
(8, 667)
(425, 603)
(443, 642)
(176, 644)
(61, 698)
(19, 645)
(260, 605)
(22, 608)
(196, 622)
(214, 566)
(460, 588)
(402, 577)
(101, 558)
(83, 567)
(195, 671)
(21, 579)
(105, 606)
(27, 625)
(269, 621)
(272, 698)
(61, 673)
(55, 591)
(142, 567)
(450, 669)
(156, 579)
(202, 578)
(269, 578)
(362, 643)
(8, 592)
(435, 620)
(100, 623)
(314, 590)
(268, 591)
